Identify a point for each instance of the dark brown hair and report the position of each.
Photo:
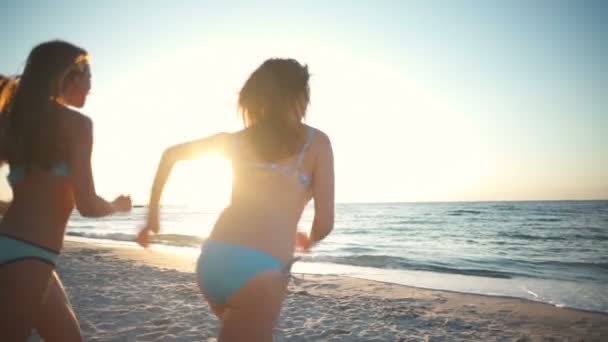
(272, 104)
(34, 133)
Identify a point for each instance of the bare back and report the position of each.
(268, 198)
(42, 201)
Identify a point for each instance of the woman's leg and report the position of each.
(57, 321)
(22, 287)
(252, 312)
(218, 309)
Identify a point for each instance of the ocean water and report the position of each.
(554, 252)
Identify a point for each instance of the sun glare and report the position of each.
(203, 184)
(430, 145)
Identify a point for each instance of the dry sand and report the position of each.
(121, 293)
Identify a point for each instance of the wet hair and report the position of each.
(272, 104)
(34, 134)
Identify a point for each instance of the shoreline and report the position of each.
(151, 295)
(189, 254)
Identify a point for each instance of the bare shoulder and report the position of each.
(76, 126)
(220, 140)
(232, 143)
(238, 138)
(74, 119)
(321, 139)
(223, 137)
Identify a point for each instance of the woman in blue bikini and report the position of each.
(48, 147)
(278, 164)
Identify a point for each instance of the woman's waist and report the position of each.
(54, 202)
(36, 213)
(267, 204)
(273, 237)
(283, 252)
(45, 231)
(261, 214)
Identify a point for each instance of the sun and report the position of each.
(203, 184)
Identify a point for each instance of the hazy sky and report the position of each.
(423, 100)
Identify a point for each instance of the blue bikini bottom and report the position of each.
(13, 249)
(223, 268)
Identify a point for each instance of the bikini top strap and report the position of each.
(309, 135)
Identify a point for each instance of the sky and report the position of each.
(422, 100)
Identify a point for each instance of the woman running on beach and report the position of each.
(48, 147)
(279, 164)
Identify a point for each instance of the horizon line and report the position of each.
(437, 202)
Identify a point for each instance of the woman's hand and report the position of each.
(151, 227)
(122, 204)
(143, 238)
(303, 243)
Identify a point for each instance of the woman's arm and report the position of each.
(89, 204)
(185, 151)
(323, 195)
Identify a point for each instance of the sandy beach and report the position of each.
(121, 293)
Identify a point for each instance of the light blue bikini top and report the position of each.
(17, 172)
(303, 178)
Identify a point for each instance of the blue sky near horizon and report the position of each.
(423, 100)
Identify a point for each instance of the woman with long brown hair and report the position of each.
(278, 164)
(48, 148)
